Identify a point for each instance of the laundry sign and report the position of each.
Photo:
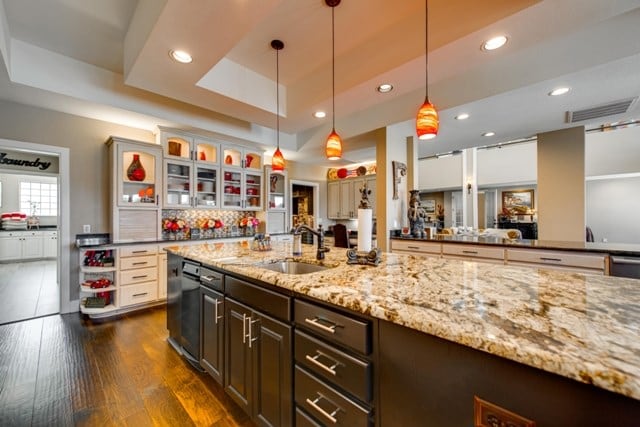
(26, 161)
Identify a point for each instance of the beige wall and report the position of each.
(561, 185)
(89, 177)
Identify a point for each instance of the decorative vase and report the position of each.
(135, 171)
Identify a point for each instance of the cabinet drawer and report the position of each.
(327, 404)
(413, 246)
(129, 251)
(136, 294)
(472, 251)
(138, 262)
(334, 326)
(335, 366)
(129, 277)
(304, 420)
(263, 299)
(567, 259)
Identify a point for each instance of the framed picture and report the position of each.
(518, 201)
(429, 206)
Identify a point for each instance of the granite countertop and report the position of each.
(610, 248)
(580, 326)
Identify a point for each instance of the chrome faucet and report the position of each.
(321, 248)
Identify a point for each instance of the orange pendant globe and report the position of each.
(427, 121)
(277, 162)
(333, 148)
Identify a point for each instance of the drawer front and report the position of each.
(212, 279)
(567, 259)
(304, 420)
(130, 277)
(473, 251)
(270, 302)
(138, 262)
(137, 294)
(129, 251)
(326, 404)
(335, 366)
(420, 247)
(334, 326)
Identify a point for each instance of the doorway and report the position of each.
(35, 282)
(304, 206)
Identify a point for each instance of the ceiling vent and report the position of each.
(617, 107)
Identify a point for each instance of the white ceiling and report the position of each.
(109, 60)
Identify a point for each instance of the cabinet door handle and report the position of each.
(315, 361)
(315, 322)
(244, 328)
(314, 404)
(251, 338)
(550, 259)
(140, 295)
(218, 302)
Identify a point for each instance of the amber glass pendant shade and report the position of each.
(427, 121)
(277, 162)
(333, 149)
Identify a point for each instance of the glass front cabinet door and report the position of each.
(241, 157)
(138, 168)
(178, 146)
(241, 190)
(276, 187)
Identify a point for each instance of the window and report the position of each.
(39, 198)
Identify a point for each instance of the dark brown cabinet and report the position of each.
(212, 327)
(258, 368)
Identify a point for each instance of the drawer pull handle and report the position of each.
(551, 259)
(210, 279)
(140, 252)
(139, 277)
(316, 322)
(414, 247)
(470, 252)
(314, 404)
(140, 295)
(140, 263)
(315, 361)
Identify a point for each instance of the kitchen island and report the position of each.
(572, 326)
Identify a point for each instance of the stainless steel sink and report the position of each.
(293, 267)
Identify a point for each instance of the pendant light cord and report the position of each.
(278, 98)
(333, 68)
(426, 49)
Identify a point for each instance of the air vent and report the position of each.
(617, 107)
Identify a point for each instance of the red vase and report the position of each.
(135, 171)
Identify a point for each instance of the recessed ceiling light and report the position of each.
(180, 56)
(494, 43)
(488, 134)
(319, 114)
(559, 91)
(384, 88)
(463, 116)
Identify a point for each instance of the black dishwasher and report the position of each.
(183, 309)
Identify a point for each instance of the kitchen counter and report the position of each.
(610, 248)
(581, 326)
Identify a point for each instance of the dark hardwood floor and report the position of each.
(64, 370)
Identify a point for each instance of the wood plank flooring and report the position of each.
(64, 370)
(28, 290)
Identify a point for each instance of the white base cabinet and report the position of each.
(28, 245)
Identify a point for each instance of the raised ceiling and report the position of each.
(109, 60)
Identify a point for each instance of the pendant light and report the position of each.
(277, 160)
(333, 147)
(427, 122)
